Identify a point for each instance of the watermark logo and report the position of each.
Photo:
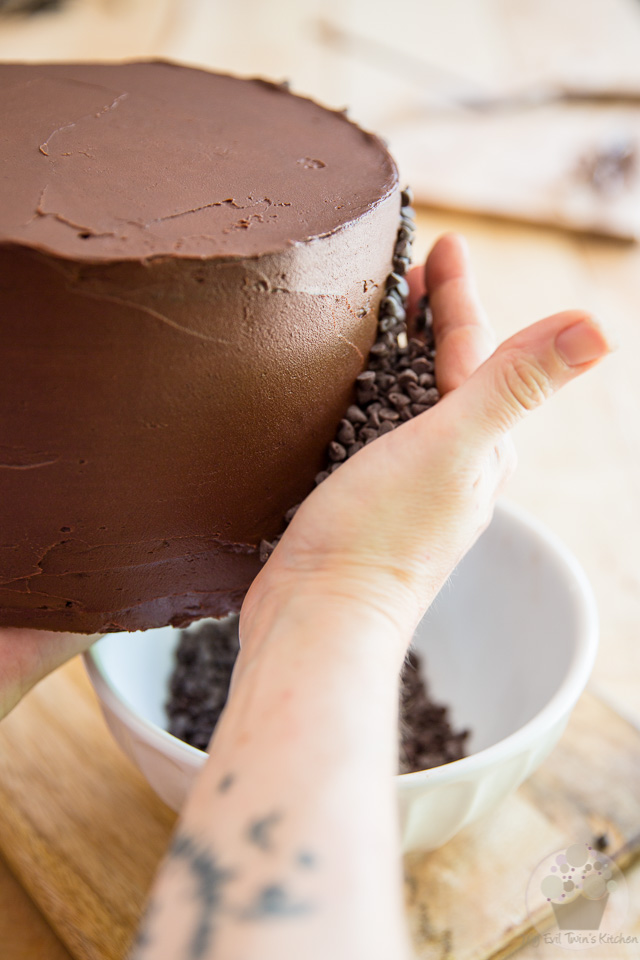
(588, 897)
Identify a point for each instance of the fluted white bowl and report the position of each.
(509, 644)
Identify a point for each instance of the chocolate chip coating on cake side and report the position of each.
(191, 270)
(399, 382)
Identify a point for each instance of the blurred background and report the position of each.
(514, 107)
(517, 122)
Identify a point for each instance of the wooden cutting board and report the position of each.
(84, 833)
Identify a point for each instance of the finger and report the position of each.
(524, 371)
(463, 336)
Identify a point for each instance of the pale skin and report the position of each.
(288, 844)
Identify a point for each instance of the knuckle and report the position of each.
(526, 384)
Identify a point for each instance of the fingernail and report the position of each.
(584, 342)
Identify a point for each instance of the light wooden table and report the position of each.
(579, 461)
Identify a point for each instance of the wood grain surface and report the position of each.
(79, 826)
(24, 933)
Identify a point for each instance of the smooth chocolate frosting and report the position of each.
(190, 271)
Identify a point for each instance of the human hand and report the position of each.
(384, 531)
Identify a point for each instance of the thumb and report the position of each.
(526, 370)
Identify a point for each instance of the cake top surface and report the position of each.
(140, 160)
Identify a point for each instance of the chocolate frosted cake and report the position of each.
(191, 270)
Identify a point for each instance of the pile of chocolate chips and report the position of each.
(200, 685)
(398, 384)
(200, 681)
(426, 736)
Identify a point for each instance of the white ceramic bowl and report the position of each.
(509, 644)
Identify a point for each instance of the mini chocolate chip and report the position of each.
(346, 433)
(354, 448)
(402, 247)
(418, 408)
(367, 395)
(291, 512)
(368, 433)
(406, 233)
(401, 265)
(406, 197)
(386, 427)
(385, 380)
(355, 414)
(334, 466)
(374, 416)
(387, 414)
(265, 549)
(426, 380)
(406, 377)
(405, 413)
(431, 396)
(337, 452)
(392, 307)
(381, 365)
(399, 400)
(366, 377)
(420, 365)
(320, 477)
(394, 294)
(397, 282)
(379, 350)
(407, 212)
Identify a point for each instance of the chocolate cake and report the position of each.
(191, 270)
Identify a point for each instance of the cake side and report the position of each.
(159, 415)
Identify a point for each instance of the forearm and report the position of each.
(288, 845)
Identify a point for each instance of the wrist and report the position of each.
(323, 609)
